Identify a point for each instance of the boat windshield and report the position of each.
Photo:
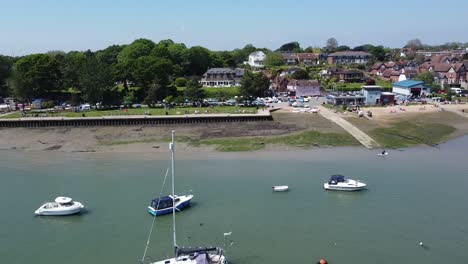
(66, 204)
(334, 179)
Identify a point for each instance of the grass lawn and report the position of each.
(217, 92)
(153, 111)
(304, 139)
(405, 134)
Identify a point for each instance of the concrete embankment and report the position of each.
(133, 120)
(362, 137)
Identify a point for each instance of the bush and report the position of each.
(180, 82)
(47, 104)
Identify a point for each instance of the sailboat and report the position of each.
(199, 255)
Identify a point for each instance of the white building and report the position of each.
(410, 88)
(256, 59)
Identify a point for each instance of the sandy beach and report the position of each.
(151, 139)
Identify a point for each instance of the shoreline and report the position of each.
(392, 127)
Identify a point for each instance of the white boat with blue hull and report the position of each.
(165, 204)
(169, 205)
(339, 183)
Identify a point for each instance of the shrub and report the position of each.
(47, 104)
(180, 82)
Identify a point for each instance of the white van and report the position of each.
(456, 90)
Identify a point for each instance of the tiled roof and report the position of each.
(303, 56)
(305, 82)
(441, 67)
(350, 53)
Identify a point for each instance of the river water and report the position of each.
(418, 194)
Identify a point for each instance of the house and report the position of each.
(349, 57)
(305, 87)
(289, 58)
(372, 94)
(353, 75)
(291, 71)
(345, 99)
(279, 84)
(450, 73)
(410, 88)
(222, 77)
(256, 59)
(308, 58)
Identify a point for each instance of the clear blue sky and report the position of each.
(30, 26)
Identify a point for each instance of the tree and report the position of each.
(342, 48)
(332, 44)
(95, 79)
(6, 64)
(414, 44)
(290, 47)
(378, 52)
(273, 59)
(427, 77)
(35, 75)
(194, 91)
(200, 60)
(300, 75)
(254, 85)
(128, 57)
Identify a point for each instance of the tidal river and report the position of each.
(414, 195)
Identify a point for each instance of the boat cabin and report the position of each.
(163, 202)
(335, 179)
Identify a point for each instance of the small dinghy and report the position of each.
(339, 183)
(383, 154)
(61, 206)
(280, 188)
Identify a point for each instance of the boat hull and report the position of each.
(280, 188)
(347, 186)
(60, 211)
(213, 258)
(183, 203)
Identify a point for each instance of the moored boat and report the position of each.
(61, 206)
(165, 204)
(339, 183)
(280, 188)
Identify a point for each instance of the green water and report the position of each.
(419, 194)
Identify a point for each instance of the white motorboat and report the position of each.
(61, 206)
(339, 183)
(280, 188)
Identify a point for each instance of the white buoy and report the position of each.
(421, 244)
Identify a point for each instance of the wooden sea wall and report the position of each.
(129, 121)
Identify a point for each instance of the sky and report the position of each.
(37, 26)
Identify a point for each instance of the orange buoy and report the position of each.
(322, 261)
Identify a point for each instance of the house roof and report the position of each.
(351, 71)
(376, 65)
(258, 52)
(372, 88)
(349, 53)
(457, 66)
(387, 73)
(305, 82)
(303, 56)
(408, 83)
(288, 56)
(441, 67)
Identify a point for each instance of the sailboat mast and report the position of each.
(173, 193)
